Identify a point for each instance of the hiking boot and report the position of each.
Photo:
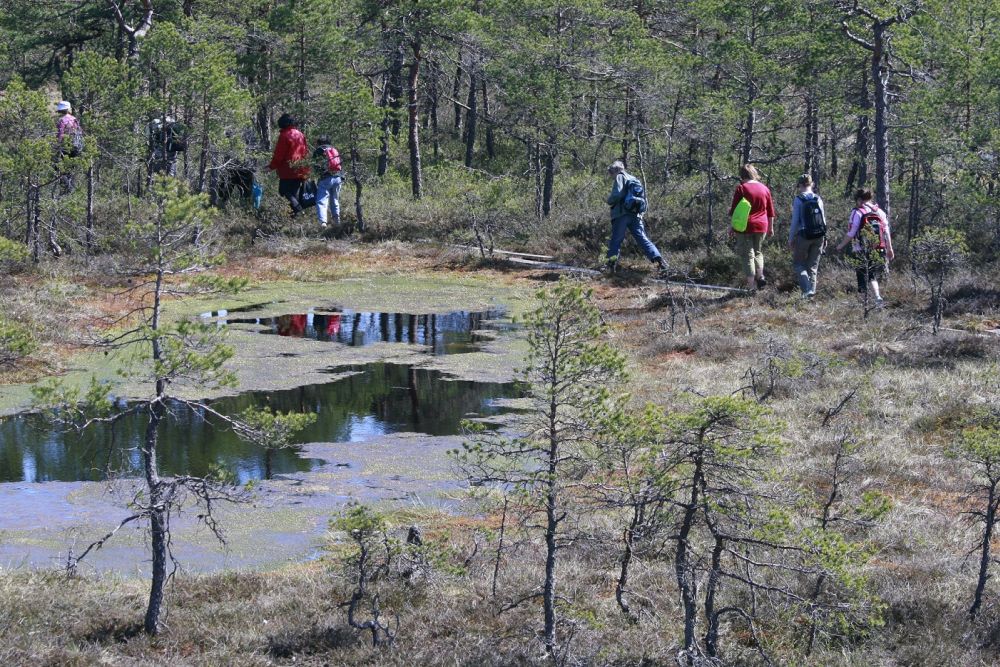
(610, 268)
(761, 283)
(662, 268)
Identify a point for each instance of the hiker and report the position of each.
(164, 139)
(288, 152)
(759, 222)
(807, 234)
(328, 164)
(68, 131)
(871, 243)
(626, 216)
(69, 141)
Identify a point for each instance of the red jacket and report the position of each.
(761, 206)
(291, 147)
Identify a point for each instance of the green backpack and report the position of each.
(741, 215)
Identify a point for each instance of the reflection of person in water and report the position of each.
(327, 326)
(333, 325)
(292, 325)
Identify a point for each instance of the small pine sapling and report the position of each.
(978, 450)
(369, 565)
(936, 253)
(571, 374)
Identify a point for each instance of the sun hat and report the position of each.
(64, 106)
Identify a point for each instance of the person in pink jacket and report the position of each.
(287, 159)
(870, 263)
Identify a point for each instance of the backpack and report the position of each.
(813, 220)
(634, 200)
(871, 231)
(307, 194)
(741, 215)
(176, 138)
(76, 140)
(333, 162)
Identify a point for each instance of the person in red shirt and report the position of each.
(749, 244)
(288, 153)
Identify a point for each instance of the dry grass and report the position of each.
(911, 390)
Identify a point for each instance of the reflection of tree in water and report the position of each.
(374, 400)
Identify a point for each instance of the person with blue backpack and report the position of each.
(628, 204)
(807, 234)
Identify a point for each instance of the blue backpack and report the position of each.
(634, 200)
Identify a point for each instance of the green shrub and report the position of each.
(16, 342)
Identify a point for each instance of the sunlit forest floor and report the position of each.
(898, 385)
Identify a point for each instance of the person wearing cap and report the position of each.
(66, 123)
(288, 155)
(623, 220)
(67, 127)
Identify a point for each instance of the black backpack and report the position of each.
(634, 200)
(176, 137)
(813, 220)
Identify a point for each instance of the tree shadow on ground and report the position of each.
(113, 631)
(310, 640)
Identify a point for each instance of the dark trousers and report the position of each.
(870, 268)
(290, 189)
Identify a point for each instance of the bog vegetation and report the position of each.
(700, 480)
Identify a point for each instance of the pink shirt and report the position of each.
(65, 123)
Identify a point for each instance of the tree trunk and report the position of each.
(158, 526)
(749, 123)
(414, 123)
(914, 216)
(435, 98)
(989, 520)
(550, 177)
(551, 527)
(684, 569)
(627, 133)
(859, 167)
(90, 208)
(488, 118)
(711, 616)
(628, 538)
(396, 89)
(710, 232)
(302, 63)
(471, 118)
(383, 154)
(880, 75)
(592, 109)
(358, 186)
(535, 155)
(203, 154)
(456, 90)
(833, 138)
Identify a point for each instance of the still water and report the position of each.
(376, 399)
(442, 333)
